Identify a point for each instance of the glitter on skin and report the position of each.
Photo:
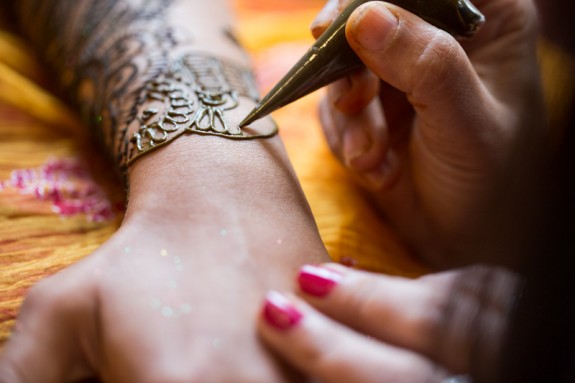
(127, 249)
(155, 304)
(167, 311)
(164, 252)
(185, 308)
(172, 284)
(178, 263)
(279, 241)
(223, 232)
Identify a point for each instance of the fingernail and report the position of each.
(279, 312)
(378, 177)
(324, 18)
(356, 143)
(317, 281)
(336, 90)
(373, 27)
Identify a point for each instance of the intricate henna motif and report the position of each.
(193, 96)
(116, 59)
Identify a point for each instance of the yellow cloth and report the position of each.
(35, 126)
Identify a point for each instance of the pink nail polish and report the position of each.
(279, 312)
(317, 281)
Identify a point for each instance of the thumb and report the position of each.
(424, 62)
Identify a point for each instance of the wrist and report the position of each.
(196, 175)
(238, 199)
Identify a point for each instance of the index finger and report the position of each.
(439, 316)
(324, 349)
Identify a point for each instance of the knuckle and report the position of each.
(366, 301)
(317, 351)
(523, 15)
(52, 296)
(40, 295)
(420, 322)
(430, 323)
(435, 67)
(321, 355)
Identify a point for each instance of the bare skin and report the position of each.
(211, 224)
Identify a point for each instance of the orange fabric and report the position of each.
(35, 126)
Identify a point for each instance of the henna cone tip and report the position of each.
(251, 117)
(332, 58)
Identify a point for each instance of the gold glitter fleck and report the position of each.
(185, 308)
(167, 311)
(155, 304)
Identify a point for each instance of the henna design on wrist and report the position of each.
(121, 62)
(105, 52)
(192, 97)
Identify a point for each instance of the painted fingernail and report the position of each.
(373, 27)
(356, 143)
(279, 312)
(317, 281)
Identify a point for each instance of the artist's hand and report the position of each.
(433, 123)
(174, 295)
(417, 330)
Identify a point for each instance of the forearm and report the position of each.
(130, 64)
(214, 219)
(117, 58)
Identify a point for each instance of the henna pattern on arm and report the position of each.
(192, 97)
(118, 61)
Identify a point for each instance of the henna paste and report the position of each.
(192, 97)
(230, 34)
(119, 61)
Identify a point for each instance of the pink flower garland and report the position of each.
(67, 184)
